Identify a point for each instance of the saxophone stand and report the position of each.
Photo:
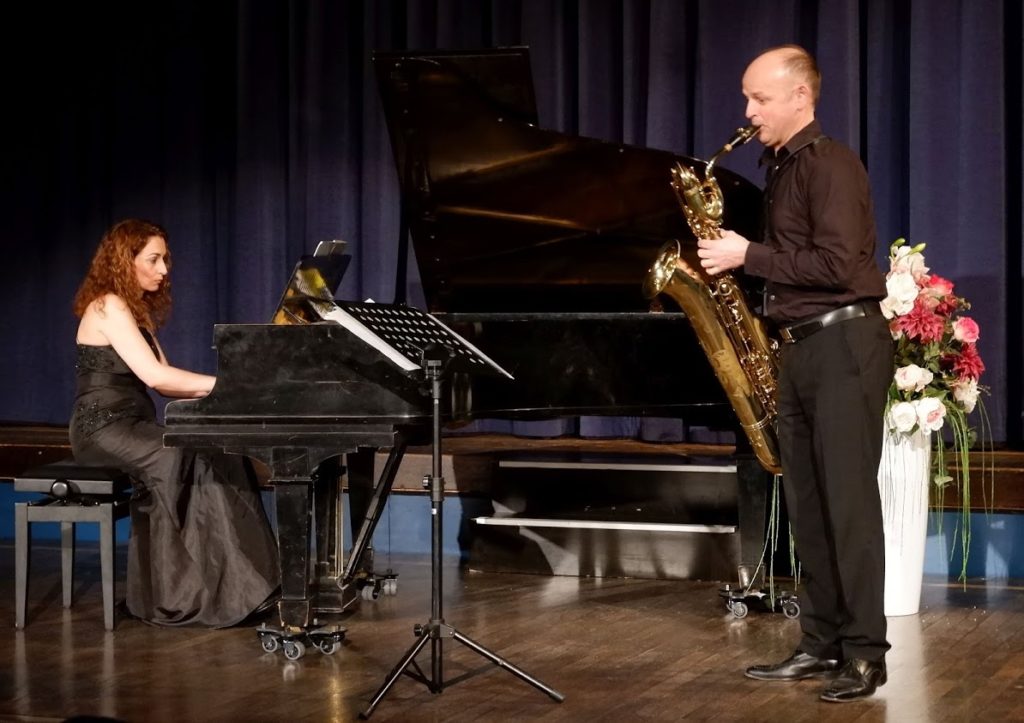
(434, 361)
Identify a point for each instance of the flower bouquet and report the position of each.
(937, 368)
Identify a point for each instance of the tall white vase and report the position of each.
(903, 485)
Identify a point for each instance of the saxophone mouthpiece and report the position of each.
(741, 136)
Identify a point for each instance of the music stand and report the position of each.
(404, 334)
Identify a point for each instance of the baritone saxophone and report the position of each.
(744, 359)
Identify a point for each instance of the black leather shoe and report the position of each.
(798, 666)
(858, 679)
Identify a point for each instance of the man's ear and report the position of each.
(803, 95)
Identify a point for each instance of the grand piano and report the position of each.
(532, 244)
(535, 243)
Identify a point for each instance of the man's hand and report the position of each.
(721, 254)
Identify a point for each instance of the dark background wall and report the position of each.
(251, 130)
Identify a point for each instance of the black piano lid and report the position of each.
(508, 217)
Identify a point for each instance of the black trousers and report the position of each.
(832, 392)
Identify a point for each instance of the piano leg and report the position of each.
(294, 521)
(299, 629)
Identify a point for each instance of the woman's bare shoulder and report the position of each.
(102, 307)
(103, 316)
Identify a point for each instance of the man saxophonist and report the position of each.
(823, 286)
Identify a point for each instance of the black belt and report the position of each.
(792, 333)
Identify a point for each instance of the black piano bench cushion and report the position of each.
(80, 480)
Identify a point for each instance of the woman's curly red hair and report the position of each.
(112, 271)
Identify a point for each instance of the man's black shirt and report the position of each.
(818, 250)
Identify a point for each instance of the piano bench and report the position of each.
(73, 493)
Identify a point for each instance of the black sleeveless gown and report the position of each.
(201, 550)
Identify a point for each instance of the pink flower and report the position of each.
(921, 323)
(966, 329)
(947, 305)
(928, 301)
(967, 364)
(923, 314)
(938, 286)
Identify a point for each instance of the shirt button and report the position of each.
(771, 297)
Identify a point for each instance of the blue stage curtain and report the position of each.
(252, 130)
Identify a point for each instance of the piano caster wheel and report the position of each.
(327, 647)
(294, 649)
(327, 641)
(739, 608)
(270, 638)
(739, 601)
(370, 591)
(269, 642)
(390, 586)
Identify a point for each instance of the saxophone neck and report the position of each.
(740, 137)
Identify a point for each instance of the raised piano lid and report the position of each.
(508, 217)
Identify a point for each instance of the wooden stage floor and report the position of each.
(620, 650)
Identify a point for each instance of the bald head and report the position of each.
(799, 65)
(781, 86)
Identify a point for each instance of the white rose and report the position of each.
(902, 416)
(912, 378)
(931, 413)
(965, 391)
(902, 290)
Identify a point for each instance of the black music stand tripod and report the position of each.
(435, 359)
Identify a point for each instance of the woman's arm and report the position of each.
(116, 325)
